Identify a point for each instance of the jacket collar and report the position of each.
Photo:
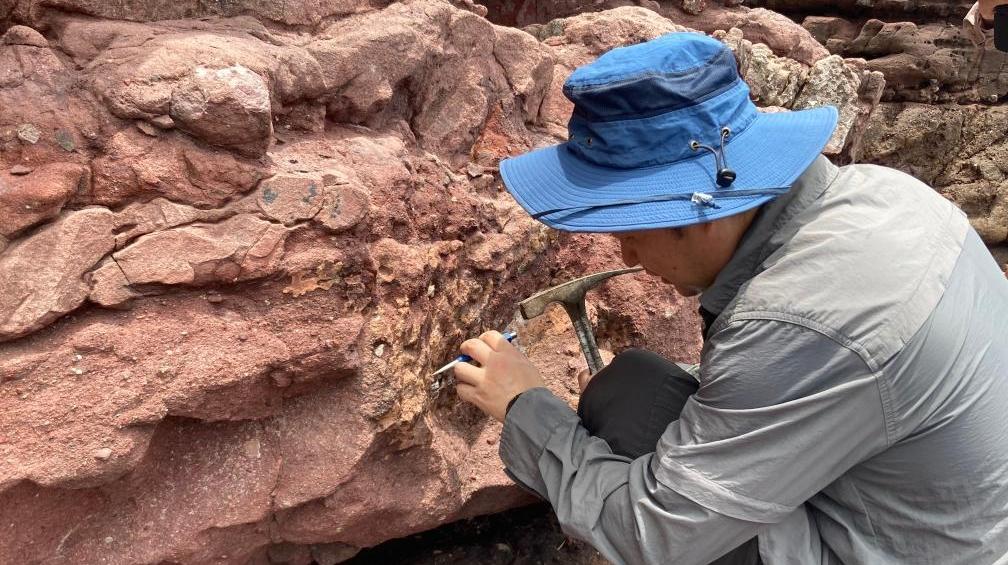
(766, 234)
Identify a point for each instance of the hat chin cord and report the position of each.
(725, 176)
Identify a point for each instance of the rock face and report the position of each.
(235, 239)
(232, 254)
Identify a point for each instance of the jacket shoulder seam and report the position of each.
(839, 338)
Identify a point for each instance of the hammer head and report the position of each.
(569, 293)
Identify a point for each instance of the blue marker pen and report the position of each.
(508, 335)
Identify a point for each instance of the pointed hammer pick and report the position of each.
(571, 295)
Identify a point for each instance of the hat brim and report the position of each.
(771, 153)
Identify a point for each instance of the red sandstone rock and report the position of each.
(240, 293)
(136, 165)
(41, 277)
(36, 195)
(784, 37)
(229, 107)
(309, 12)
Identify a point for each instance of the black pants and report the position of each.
(629, 404)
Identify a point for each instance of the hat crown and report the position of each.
(672, 53)
(642, 105)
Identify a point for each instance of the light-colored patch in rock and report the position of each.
(229, 107)
(694, 7)
(41, 277)
(109, 285)
(774, 81)
(239, 248)
(832, 82)
(23, 35)
(961, 150)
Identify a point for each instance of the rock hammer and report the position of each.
(571, 295)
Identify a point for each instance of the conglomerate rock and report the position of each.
(962, 150)
(307, 12)
(232, 256)
(235, 240)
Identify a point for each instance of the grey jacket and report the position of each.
(853, 400)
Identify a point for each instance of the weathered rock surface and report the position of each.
(248, 244)
(218, 319)
(960, 150)
(889, 8)
(36, 195)
(302, 13)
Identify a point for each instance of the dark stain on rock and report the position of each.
(65, 140)
(269, 195)
(312, 193)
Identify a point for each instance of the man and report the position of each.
(850, 402)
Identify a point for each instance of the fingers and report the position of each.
(478, 349)
(468, 374)
(466, 392)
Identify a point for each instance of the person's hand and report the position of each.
(503, 374)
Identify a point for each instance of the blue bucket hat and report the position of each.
(663, 134)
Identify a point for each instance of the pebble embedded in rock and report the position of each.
(20, 170)
(28, 133)
(65, 140)
(379, 350)
(474, 170)
(253, 449)
(164, 121)
(103, 454)
(23, 35)
(148, 129)
(694, 6)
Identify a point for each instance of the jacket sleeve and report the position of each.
(781, 412)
